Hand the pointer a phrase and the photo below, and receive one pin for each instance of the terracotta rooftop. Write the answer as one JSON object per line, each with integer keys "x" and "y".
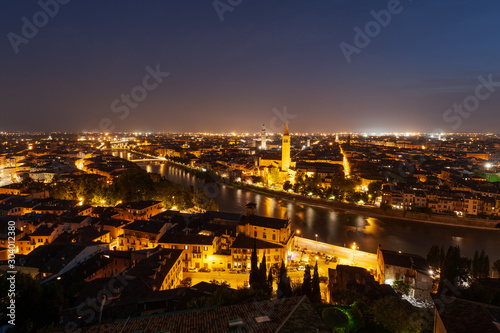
{"x": 461, "y": 316}
{"x": 293, "y": 314}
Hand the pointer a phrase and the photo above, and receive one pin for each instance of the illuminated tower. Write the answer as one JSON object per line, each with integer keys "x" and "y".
{"x": 285, "y": 150}
{"x": 263, "y": 138}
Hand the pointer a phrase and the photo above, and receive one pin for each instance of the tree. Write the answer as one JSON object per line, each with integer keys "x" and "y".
{"x": 374, "y": 189}
{"x": 442, "y": 256}
{"x": 270, "y": 280}
{"x": 284, "y": 288}
{"x": 475, "y": 265}
{"x": 263, "y": 270}
{"x": 315, "y": 289}
{"x": 212, "y": 206}
{"x": 38, "y": 306}
{"x": 401, "y": 287}
{"x": 254, "y": 273}
{"x": 396, "y": 315}
{"x": 483, "y": 265}
{"x": 496, "y": 266}
{"x": 287, "y": 186}
{"x": 306, "y": 284}
{"x": 263, "y": 276}
{"x": 454, "y": 268}
{"x": 433, "y": 257}
{"x": 345, "y": 297}
{"x": 335, "y": 319}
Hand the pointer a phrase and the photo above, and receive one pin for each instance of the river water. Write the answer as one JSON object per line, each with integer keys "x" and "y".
{"x": 337, "y": 227}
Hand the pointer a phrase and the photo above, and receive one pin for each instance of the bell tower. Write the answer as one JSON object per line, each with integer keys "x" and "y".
{"x": 263, "y": 138}
{"x": 285, "y": 150}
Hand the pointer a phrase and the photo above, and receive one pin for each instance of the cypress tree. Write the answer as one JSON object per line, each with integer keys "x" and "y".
{"x": 483, "y": 265}
{"x": 451, "y": 267}
{"x": 433, "y": 258}
{"x": 283, "y": 282}
{"x": 475, "y": 265}
{"x": 486, "y": 266}
{"x": 254, "y": 273}
{"x": 270, "y": 280}
{"x": 480, "y": 266}
{"x": 263, "y": 270}
{"x": 442, "y": 257}
{"x": 306, "y": 284}
{"x": 315, "y": 290}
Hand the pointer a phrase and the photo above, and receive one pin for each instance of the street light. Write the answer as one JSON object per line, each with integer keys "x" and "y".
{"x": 354, "y": 247}
{"x": 316, "y": 237}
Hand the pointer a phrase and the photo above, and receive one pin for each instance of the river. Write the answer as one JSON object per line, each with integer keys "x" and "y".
{"x": 337, "y": 227}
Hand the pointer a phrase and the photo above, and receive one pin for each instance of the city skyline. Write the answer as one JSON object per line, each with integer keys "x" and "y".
{"x": 200, "y": 68}
{"x": 254, "y": 166}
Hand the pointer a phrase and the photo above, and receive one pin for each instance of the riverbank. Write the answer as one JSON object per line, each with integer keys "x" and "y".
{"x": 445, "y": 220}
{"x": 377, "y": 212}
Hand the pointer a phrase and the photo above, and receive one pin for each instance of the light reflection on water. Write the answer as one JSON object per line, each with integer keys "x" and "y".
{"x": 337, "y": 227}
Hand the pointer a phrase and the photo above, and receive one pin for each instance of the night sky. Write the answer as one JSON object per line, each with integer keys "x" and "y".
{"x": 229, "y": 75}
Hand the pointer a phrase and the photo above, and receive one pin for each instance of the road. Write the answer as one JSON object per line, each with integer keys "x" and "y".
{"x": 347, "y": 256}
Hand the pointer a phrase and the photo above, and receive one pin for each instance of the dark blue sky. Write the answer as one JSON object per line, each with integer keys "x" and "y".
{"x": 228, "y": 75}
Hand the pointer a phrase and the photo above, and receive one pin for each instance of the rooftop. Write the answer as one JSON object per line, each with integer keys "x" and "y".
{"x": 245, "y": 242}
{"x": 294, "y": 314}
{"x": 461, "y": 316}
{"x": 407, "y": 260}
{"x": 186, "y": 239}
{"x": 263, "y": 221}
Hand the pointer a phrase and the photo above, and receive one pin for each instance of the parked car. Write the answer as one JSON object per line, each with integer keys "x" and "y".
{"x": 335, "y": 259}
{"x": 232, "y": 271}
{"x": 186, "y": 282}
{"x": 301, "y": 268}
{"x": 192, "y": 269}
{"x": 204, "y": 270}
{"x": 292, "y": 269}
{"x": 245, "y": 272}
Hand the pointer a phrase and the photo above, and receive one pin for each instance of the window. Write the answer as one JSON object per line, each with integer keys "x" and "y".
{"x": 205, "y": 248}
{"x": 255, "y": 233}
{"x": 186, "y": 247}
{"x": 264, "y": 235}
{"x": 274, "y": 236}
